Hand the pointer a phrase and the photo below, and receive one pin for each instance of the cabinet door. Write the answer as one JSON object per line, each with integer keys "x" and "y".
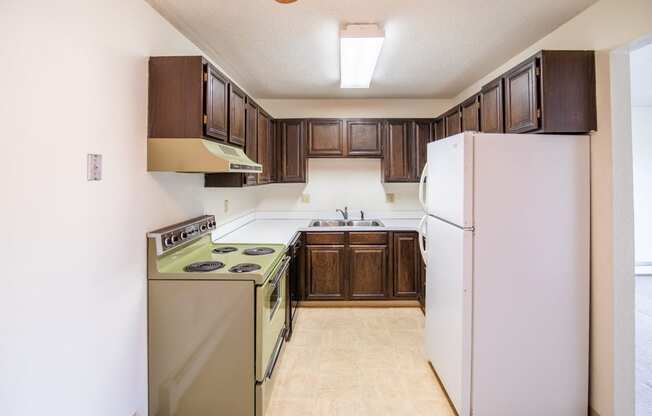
{"x": 406, "y": 265}
{"x": 264, "y": 143}
{"x": 367, "y": 272}
{"x": 453, "y": 122}
{"x": 438, "y": 129}
{"x": 237, "y": 116}
{"x": 522, "y": 98}
{"x": 217, "y": 104}
{"x": 471, "y": 114}
{"x": 325, "y": 272}
{"x": 492, "y": 107}
{"x": 364, "y": 138}
{"x": 292, "y": 166}
{"x": 325, "y": 138}
{"x": 398, "y": 158}
{"x": 251, "y": 140}
{"x": 422, "y": 136}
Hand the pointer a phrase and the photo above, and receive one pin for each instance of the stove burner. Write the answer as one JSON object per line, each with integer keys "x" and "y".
{"x": 258, "y": 251}
{"x": 203, "y": 266}
{"x": 244, "y": 268}
{"x": 224, "y": 250}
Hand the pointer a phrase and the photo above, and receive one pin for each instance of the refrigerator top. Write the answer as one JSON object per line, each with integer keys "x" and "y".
{"x": 450, "y": 180}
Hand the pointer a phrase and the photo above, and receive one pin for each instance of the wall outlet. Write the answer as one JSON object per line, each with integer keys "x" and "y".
{"x": 305, "y": 198}
{"x": 389, "y": 197}
{"x": 94, "y": 167}
{"x": 226, "y": 205}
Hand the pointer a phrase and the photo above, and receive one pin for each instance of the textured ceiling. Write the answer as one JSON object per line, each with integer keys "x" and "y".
{"x": 433, "y": 48}
{"x": 641, "y": 64}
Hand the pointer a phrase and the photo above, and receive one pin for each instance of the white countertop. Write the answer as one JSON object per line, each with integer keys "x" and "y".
{"x": 281, "y": 231}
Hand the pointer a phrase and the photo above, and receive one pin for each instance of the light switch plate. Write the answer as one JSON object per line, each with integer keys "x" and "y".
{"x": 94, "y": 167}
{"x": 389, "y": 198}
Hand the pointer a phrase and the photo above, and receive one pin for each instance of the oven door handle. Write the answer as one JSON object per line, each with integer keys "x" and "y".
{"x": 277, "y": 352}
{"x": 282, "y": 270}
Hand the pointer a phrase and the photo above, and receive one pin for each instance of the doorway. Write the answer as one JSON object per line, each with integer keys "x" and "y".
{"x": 641, "y": 113}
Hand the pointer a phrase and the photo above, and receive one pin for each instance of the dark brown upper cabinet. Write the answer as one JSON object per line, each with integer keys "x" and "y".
{"x": 422, "y": 136}
{"x": 491, "y": 102}
{"x": 291, "y": 154}
{"x": 237, "y": 116}
{"x": 398, "y": 163}
{"x": 471, "y": 114}
{"x": 438, "y": 129}
{"x": 522, "y": 111}
{"x": 232, "y": 179}
{"x": 364, "y": 138}
{"x": 453, "y": 121}
{"x": 217, "y": 104}
{"x": 266, "y": 147}
{"x": 552, "y": 92}
{"x": 325, "y": 138}
{"x": 251, "y": 139}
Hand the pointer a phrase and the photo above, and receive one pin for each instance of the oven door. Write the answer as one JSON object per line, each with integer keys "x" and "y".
{"x": 270, "y": 319}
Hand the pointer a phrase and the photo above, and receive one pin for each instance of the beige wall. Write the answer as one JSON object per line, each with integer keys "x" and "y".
{"x": 606, "y": 25}
{"x": 73, "y": 81}
{"x": 299, "y": 108}
{"x": 336, "y": 183}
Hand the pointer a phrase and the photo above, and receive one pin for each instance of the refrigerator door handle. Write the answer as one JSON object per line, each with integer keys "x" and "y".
{"x": 422, "y": 236}
{"x": 422, "y": 185}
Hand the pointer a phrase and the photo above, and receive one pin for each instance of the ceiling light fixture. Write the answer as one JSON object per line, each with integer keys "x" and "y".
{"x": 285, "y": 1}
{"x": 360, "y": 46}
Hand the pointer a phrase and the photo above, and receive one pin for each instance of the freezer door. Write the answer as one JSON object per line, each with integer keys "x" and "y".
{"x": 448, "y": 309}
{"x": 450, "y": 179}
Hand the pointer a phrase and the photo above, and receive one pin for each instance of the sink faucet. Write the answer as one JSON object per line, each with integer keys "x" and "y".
{"x": 344, "y": 213}
{"x": 361, "y": 214}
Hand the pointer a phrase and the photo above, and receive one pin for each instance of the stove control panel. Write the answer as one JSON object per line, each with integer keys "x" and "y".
{"x": 174, "y": 236}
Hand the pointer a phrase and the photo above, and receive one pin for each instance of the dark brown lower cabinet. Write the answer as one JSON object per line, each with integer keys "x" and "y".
{"x": 406, "y": 265}
{"x": 325, "y": 272}
{"x": 362, "y": 266}
{"x": 367, "y": 272}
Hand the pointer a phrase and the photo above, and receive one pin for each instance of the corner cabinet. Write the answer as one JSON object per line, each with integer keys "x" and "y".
{"x": 291, "y": 157}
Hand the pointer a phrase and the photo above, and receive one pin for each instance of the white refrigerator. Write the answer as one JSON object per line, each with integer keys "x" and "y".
{"x": 507, "y": 246}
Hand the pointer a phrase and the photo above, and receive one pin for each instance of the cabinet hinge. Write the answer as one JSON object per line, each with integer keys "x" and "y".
{"x": 205, "y": 119}
{"x": 538, "y": 113}
{"x": 537, "y": 71}
{"x": 205, "y": 76}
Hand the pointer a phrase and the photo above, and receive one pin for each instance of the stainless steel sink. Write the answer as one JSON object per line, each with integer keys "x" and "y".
{"x": 346, "y": 223}
{"x": 364, "y": 223}
{"x": 328, "y": 223}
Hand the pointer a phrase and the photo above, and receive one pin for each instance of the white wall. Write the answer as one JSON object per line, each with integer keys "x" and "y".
{"x": 73, "y": 80}
{"x": 336, "y": 183}
{"x": 605, "y": 26}
{"x": 642, "y": 151}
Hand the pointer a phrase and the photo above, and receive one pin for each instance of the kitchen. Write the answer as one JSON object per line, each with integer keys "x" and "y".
{"x": 89, "y": 65}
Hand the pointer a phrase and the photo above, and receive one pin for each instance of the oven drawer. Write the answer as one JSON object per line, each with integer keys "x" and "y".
{"x": 270, "y": 316}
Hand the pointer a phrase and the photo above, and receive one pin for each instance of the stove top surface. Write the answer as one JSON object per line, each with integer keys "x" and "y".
{"x": 206, "y": 260}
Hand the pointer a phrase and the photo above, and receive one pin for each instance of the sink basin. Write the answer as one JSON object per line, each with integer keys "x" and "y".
{"x": 346, "y": 223}
{"x": 327, "y": 223}
{"x": 364, "y": 223}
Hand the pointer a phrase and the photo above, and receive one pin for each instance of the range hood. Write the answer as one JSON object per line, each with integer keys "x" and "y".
{"x": 197, "y": 155}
